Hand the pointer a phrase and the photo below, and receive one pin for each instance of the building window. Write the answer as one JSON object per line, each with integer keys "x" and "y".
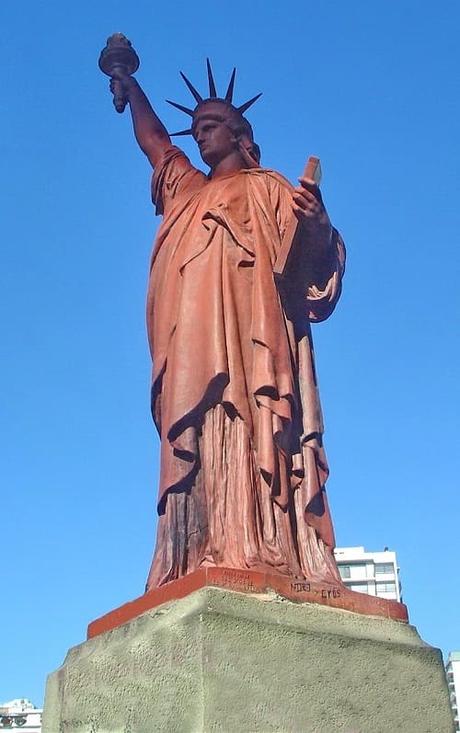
{"x": 385, "y": 587}
{"x": 384, "y": 567}
{"x": 359, "y": 587}
{"x": 344, "y": 571}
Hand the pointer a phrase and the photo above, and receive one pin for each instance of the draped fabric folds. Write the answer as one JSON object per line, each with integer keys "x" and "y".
{"x": 234, "y": 392}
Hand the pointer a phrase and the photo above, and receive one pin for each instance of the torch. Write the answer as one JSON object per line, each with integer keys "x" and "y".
{"x": 118, "y": 56}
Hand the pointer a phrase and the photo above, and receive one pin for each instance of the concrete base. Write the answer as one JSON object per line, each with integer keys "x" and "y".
{"x": 219, "y": 660}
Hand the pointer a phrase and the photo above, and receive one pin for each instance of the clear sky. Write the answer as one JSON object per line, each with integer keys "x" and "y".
{"x": 370, "y": 87}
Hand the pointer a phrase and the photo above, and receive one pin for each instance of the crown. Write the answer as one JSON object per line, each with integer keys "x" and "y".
{"x": 228, "y": 99}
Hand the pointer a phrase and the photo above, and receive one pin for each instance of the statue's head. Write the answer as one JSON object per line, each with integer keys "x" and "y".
{"x": 219, "y": 127}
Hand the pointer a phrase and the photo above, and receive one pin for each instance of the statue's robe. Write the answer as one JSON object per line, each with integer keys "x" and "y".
{"x": 234, "y": 391}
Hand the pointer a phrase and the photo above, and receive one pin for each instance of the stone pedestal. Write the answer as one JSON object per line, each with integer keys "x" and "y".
{"x": 219, "y": 660}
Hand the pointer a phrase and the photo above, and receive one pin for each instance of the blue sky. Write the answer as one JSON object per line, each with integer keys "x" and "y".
{"x": 373, "y": 89}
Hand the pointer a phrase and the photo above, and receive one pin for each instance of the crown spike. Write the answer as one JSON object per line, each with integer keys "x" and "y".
{"x": 181, "y": 107}
{"x": 248, "y": 104}
{"x": 231, "y": 84}
{"x": 212, "y": 86}
{"x": 197, "y": 95}
{"x": 181, "y": 132}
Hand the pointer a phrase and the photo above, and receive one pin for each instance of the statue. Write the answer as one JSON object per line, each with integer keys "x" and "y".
{"x": 234, "y": 392}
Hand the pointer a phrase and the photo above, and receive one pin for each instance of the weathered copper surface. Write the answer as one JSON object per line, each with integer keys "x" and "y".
{"x": 234, "y": 389}
{"x": 250, "y": 581}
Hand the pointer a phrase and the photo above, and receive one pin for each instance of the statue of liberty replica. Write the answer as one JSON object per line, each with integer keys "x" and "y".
{"x": 234, "y": 391}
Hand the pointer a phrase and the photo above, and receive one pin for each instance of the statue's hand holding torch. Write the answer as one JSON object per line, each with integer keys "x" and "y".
{"x": 119, "y": 60}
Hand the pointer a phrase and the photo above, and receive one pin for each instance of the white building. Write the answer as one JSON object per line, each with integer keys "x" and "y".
{"x": 453, "y": 681}
{"x": 20, "y": 713}
{"x": 374, "y": 573}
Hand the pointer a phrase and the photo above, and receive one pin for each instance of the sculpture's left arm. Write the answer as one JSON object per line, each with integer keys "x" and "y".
{"x": 323, "y": 251}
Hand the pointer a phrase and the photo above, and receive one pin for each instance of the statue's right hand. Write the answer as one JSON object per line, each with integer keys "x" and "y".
{"x": 120, "y": 83}
{"x": 116, "y": 87}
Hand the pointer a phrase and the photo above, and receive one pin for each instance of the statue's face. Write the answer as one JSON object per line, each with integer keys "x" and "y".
{"x": 215, "y": 139}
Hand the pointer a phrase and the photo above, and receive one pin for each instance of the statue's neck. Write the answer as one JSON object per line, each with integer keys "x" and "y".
{"x": 231, "y": 164}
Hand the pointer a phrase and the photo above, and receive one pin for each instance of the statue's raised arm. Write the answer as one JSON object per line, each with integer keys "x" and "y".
{"x": 119, "y": 60}
{"x": 149, "y": 130}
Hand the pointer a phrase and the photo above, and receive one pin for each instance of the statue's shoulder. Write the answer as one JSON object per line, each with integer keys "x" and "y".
{"x": 271, "y": 176}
